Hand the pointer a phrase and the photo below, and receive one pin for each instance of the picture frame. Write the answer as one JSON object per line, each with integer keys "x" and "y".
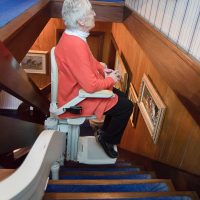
{"x": 35, "y": 62}
{"x": 152, "y": 107}
{"x": 132, "y": 95}
{"x": 122, "y": 85}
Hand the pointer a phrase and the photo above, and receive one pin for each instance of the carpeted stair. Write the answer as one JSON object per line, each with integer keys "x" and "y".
{"x": 119, "y": 181}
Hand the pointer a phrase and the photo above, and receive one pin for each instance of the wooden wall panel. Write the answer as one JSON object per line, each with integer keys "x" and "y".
{"x": 179, "y": 71}
{"x": 191, "y": 147}
{"x": 47, "y": 38}
{"x": 105, "y": 11}
{"x": 180, "y": 134}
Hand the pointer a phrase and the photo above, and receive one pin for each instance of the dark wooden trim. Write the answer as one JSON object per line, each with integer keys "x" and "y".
{"x": 20, "y": 34}
{"x": 17, "y": 134}
{"x": 105, "y": 11}
{"x": 180, "y": 72}
{"x": 100, "y": 35}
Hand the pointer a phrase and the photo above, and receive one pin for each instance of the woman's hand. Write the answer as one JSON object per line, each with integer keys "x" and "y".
{"x": 104, "y": 65}
{"x": 115, "y": 75}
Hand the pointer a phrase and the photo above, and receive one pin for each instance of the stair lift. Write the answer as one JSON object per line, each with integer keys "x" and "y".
{"x": 79, "y": 149}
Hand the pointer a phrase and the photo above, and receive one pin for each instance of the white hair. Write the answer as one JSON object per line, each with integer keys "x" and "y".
{"x": 74, "y": 10}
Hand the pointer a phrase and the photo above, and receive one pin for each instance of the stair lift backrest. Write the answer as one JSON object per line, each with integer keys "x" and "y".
{"x": 54, "y": 78}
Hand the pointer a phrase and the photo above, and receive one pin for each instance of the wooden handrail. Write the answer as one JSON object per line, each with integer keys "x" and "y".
{"x": 34, "y": 171}
{"x": 17, "y": 134}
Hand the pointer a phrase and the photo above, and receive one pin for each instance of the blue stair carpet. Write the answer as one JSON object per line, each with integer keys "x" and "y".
{"x": 93, "y": 177}
{"x": 141, "y": 187}
{"x": 128, "y": 169}
{"x": 10, "y": 9}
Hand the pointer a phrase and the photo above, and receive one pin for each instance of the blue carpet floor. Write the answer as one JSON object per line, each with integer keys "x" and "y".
{"x": 10, "y": 9}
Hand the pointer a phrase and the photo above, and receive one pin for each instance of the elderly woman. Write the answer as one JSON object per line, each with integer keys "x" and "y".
{"x": 78, "y": 69}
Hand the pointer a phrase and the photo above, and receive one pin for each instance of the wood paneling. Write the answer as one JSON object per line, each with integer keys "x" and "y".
{"x": 180, "y": 135}
{"x": 48, "y": 38}
{"x": 180, "y": 72}
{"x": 105, "y": 11}
{"x": 95, "y": 42}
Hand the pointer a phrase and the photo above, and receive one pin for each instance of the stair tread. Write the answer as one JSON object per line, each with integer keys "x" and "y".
{"x": 63, "y": 169}
{"x": 80, "y": 165}
{"x": 107, "y": 182}
{"x": 108, "y": 175}
{"x": 118, "y": 195}
{"x": 113, "y": 182}
{"x": 94, "y": 173}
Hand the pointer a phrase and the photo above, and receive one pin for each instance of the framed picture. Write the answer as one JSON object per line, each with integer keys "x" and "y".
{"x": 119, "y": 65}
{"x": 133, "y": 97}
{"x": 152, "y": 107}
{"x": 35, "y": 62}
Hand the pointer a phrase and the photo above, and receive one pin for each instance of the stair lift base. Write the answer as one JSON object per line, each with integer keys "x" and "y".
{"x": 80, "y": 149}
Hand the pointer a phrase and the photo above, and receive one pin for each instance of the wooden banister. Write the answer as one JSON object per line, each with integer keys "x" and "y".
{"x": 14, "y": 80}
{"x": 17, "y": 134}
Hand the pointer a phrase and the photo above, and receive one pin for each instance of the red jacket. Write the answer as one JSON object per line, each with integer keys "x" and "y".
{"x": 78, "y": 69}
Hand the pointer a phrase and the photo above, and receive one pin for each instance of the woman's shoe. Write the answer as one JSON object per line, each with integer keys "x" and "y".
{"x": 108, "y": 148}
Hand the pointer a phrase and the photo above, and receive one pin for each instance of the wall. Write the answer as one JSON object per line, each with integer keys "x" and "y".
{"x": 178, "y": 20}
{"x": 179, "y": 141}
{"x": 47, "y": 38}
{"x": 180, "y": 136}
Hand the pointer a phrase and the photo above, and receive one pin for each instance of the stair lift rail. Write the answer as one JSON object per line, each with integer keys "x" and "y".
{"x": 30, "y": 179}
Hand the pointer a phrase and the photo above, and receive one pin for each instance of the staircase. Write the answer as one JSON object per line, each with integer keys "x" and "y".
{"x": 122, "y": 180}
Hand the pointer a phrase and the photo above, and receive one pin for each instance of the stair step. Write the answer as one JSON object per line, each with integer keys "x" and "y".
{"x": 109, "y": 175}
{"x": 4, "y": 173}
{"x": 65, "y": 169}
{"x": 81, "y": 165}
{"x": 144, "y": 185}
{"x": 125, "y": 195}
{"x": 105, "y": 173}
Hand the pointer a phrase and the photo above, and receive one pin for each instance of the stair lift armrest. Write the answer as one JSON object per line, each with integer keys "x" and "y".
{"x": 98, "y": 94}
{"x": 82, "y": 96}
{"x": 58, "y": 111}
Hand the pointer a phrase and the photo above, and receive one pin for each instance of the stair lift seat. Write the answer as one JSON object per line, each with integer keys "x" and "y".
{"x": 81, "y": 149}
